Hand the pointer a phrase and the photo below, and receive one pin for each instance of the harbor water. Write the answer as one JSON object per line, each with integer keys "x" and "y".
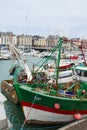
{"x": 14, "y": 112}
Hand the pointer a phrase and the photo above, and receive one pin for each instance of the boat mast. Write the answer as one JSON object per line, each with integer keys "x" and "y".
{"x": 83, "y": 53}
{"x": 58, "y": 59}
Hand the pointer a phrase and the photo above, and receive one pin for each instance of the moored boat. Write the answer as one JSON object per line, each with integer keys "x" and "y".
{"x": 46, "y": 102}
{"x": 8, "y": 90}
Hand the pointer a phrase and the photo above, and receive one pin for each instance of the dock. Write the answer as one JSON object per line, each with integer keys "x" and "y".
{"x": 9, "y": 126}
{"x": 4, "y": 122}
{"x": 77, "y": 125}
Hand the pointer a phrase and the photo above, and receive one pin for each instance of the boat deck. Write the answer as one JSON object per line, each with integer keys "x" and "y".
{"x": 77, "y": 125}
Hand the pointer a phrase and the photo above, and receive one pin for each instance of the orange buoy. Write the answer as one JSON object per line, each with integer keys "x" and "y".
{"x": 83, "y": 91}
{"x": 57, "y": 105}
{"x": 55, "y": 86}
{"x": 77, "y": 116}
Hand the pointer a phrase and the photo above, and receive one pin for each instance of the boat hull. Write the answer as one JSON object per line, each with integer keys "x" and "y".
{"x": 8, "y": 90}
{"x": 41, "y": 107}
{"x": 37, "y": 116}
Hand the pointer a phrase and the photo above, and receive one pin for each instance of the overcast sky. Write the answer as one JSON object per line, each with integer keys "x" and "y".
{"x": 44, "y": 17}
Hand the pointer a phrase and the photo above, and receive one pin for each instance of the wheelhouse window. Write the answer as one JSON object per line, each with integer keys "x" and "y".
{"x": 85, "y": 73}
{"x": 82, "y": 73}
{"x": 79, "y": 72}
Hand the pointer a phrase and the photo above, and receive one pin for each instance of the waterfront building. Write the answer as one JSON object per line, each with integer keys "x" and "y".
{"x": 14, "y": 39}
{"x": 39, "y": 41}
{"x": 8, "y": 38}
{"x": 52, "y": 40}
{"x": 24, "y": 40}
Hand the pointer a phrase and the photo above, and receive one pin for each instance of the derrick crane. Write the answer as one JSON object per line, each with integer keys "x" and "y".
{"x": 16, "y": 55}
{"x": 83, "y": 46}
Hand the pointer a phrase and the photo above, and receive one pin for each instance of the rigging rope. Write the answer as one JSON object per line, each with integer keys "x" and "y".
{"x": 28, "y": 113}
{"x": 83, "y": 55}
{"x": 46, "y": 60}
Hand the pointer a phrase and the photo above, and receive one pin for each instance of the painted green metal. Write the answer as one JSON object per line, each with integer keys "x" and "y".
{"x": 58, "y": 59}
{"x": 27, "y": 93}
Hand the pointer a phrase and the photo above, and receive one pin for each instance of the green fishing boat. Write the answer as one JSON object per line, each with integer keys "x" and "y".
{"x": 46, "y": 102}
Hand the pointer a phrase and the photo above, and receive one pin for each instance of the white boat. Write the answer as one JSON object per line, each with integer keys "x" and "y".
{"x": 80, "y": 73}
{"x": 65, "y": 76}
{"x": 47, "y": 103}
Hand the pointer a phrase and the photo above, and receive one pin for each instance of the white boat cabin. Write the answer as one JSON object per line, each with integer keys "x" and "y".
{"x": 80, "y": 73}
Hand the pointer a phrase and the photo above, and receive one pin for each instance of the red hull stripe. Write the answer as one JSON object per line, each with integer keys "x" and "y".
{"x": 53, "y": 110}
{"x": 65, "y": 66}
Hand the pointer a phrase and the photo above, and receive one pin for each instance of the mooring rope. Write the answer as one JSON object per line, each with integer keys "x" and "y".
{"x": 28, "y": 113}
